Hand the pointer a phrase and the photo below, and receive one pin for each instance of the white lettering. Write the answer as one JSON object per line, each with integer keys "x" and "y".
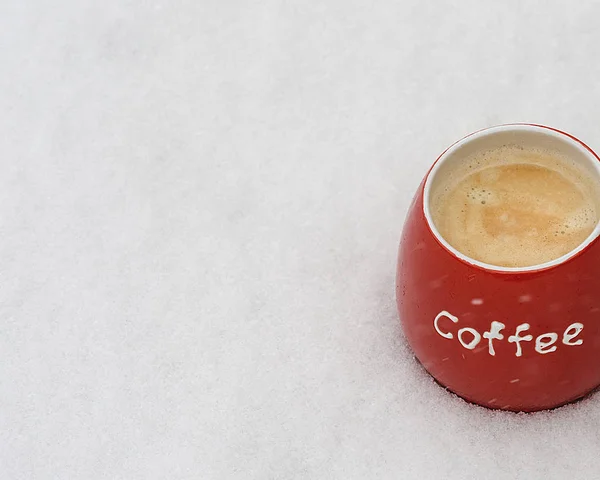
{"x": 494, "y": 333}
{"x": 473, "y": 343}
{"x": 444, "y": 313}
{"x": 541, "y": 344}
{"x": 516, "y": 338}
{"x": 567, "y": 337}
{"x": 544, "y": 342}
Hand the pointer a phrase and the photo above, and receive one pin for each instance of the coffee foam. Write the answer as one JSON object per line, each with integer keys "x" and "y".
{"x": 515, "y": 207}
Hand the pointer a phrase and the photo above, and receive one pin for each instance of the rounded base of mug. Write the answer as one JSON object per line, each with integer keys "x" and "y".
{"x": 577, "y": 399}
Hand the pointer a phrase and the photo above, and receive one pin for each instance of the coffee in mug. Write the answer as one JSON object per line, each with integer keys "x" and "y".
{"x": 515, "y": 206}
{"x": 497, "y": 282}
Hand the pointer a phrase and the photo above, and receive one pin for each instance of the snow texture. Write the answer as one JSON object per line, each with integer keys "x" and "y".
{"x": 200, "y": 207}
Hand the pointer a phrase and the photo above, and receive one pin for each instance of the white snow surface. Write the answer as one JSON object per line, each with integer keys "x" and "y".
{"x": 200, "y": 209}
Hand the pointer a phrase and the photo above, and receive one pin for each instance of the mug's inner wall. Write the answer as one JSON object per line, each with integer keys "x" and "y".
{"x": 529, "y": 137}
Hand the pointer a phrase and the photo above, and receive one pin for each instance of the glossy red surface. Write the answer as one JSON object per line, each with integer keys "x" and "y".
{"x": 431, "y": 280}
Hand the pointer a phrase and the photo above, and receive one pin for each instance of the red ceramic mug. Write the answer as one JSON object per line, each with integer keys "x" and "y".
{"x": 520, "y": 339}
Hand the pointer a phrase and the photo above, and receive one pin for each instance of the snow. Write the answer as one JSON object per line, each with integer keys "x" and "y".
{"x": 200, "y": 207}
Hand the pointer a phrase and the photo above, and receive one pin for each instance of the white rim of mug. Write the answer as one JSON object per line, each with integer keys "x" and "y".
{"x": 563, "y": 136}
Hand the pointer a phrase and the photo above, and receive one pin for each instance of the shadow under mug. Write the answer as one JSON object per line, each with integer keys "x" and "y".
{"x": 520, "y": 339}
